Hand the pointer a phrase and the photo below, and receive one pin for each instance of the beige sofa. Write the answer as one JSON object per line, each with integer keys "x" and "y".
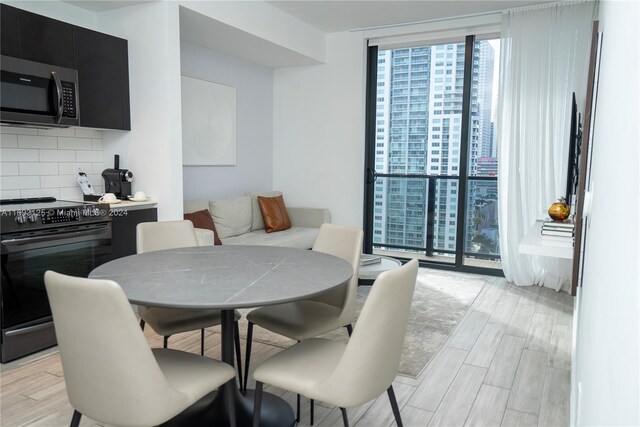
{"x": 239, "y": 222}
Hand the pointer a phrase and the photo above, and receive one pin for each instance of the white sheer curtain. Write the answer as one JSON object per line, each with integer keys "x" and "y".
{"x": 544, "y": 58}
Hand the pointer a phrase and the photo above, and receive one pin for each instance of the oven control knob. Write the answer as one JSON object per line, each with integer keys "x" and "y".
{"x": 33, "y": 217}
{"x": 20, "y": 219}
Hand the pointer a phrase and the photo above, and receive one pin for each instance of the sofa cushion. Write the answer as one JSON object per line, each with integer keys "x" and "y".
{"x": 195, "y": 205}
{"x": 274, "y": 214}
{"x": 257, "y": 222}
{"x": 202, "y": 219}
{"x": 295, "y": 237}
{"x": 232, "y": 217}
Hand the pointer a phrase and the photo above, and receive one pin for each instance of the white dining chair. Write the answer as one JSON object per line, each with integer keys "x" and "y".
{"x": 331, "y": 310}
{"x": 347, "y": 375}
{"x": 155, "y": 236}
{"x": 111, "y": 374}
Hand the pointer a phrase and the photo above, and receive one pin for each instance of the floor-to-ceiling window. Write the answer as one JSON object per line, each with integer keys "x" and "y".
{"x": 431, "y": 186}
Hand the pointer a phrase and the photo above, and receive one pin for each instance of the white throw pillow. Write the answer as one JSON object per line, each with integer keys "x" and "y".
{"x": 232, "y": 217}
{"x": 257, "y": 222}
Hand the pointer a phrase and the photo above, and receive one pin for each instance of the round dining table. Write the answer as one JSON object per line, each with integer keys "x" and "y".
{"x": 226, "y": 278}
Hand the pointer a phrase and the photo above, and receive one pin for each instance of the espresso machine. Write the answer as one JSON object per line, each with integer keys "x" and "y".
{"x": 117, "y": 181}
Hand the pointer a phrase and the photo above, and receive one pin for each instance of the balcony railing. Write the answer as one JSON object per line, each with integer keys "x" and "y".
{"x": 481, "y": 239}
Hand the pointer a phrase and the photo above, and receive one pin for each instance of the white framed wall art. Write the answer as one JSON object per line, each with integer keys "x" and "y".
{"x": 208, "y": 123}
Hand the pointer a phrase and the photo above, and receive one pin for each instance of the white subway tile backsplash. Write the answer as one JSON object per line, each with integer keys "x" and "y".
{"x": 98, "y": 168}
{"x": 57, "y": 156}
{"x": 45, "y": 162}
{"x": 8, "y": 141}
{"x": 18, "y": 155}
{"x": 18, "y": 131}
{"x": 74, "y": 143}
{"x": 28, "y": 168}
{"x": 57, "y": 132}
{"x": 20, "y": 182}
{"x": 57, "y": 181}
{"x": 71, "y": 193}
{"x": 36, "y": 141}
{"x": 88, "y": 133}
{"x": 89, "y": 156}
{"x": 72, "y": 168}
{"x": 41, "y": 192}
{"x": 10, "y": 194}
{"x": 9, "y": 169}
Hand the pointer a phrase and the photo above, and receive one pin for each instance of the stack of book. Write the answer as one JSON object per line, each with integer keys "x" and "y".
{"x": 366, "y": 259}
{"x": 559, "y": 231}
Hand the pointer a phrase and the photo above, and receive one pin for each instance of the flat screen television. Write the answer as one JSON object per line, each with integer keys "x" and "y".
{"x": 575, "y": 145}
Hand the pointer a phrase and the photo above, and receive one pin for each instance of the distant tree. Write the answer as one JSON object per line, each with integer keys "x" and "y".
{"x": 485, "y": 243}
{"x": 478, "y": 217}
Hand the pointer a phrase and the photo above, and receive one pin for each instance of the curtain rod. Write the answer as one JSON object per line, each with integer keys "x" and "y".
{"x": 473, "y": 15}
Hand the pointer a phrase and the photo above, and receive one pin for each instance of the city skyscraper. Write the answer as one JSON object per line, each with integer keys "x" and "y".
{"x": 418, "y": 131}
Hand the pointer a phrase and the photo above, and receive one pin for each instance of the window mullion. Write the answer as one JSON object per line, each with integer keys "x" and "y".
{"x": 464, "y": 148}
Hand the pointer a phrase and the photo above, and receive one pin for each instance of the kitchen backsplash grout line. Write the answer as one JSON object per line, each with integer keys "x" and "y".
{"x": 45, "y": 162}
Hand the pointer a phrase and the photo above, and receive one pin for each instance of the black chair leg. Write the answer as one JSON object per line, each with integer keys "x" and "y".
{"x": 75, "y": 420}
{"x": 256, "y": 404}
{"x": 311, "y": 414}
{"x": 202, "y": 342}
{"x": 166, "y": 341}
{"x": 298, "y": 409}
{"x": 394, "y": 406}
{"x": 236, "y": 333}
{"x": 231, "y": 409}
{"x": 247, "y": 355}
{"x": 349, "y": 329}
{"x": 345, "y": 419}
{"x": 142, "y": 324}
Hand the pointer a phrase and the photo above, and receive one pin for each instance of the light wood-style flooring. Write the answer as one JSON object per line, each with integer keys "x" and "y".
{"x": 507, "y": 363}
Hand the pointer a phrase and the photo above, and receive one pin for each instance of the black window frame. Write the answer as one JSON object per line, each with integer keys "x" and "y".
{"x": 463, "y": 176}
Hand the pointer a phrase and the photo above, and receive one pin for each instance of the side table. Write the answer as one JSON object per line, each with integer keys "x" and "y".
{"x": 368, "y": 273}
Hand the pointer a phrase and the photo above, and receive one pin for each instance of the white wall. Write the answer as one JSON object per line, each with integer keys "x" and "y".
{"x": 608, "y": 330}
{"x": 152, "y": 150}
{"x": 266, "y": 22}
{"x": 254, "y": 130}
{"x": 318, "y": 143}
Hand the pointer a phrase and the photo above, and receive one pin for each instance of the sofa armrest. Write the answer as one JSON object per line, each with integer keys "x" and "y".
{"x": 308, "y": 217}
{"x": 205, "y": 237}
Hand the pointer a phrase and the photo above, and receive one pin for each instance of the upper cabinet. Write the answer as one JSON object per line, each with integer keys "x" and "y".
{"x": 9, "y": 38}
{"x": 103, "y": 73}
{"x": 101, "y": 60}
{"x": 45, "y": 40}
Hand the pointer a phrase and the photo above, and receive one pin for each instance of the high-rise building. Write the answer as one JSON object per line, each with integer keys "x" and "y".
{"x": 418, "y": 131}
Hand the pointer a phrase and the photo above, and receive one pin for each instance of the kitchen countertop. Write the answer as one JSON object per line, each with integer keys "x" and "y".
{"x": 129, "y": 205}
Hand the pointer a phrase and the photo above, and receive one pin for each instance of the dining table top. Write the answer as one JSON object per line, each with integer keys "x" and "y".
{"x": 225, "y": 276}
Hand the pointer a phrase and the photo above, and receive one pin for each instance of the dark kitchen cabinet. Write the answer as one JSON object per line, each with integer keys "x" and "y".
{"x": 103, "y": 72}
{"x": 45, "y": 40}
{"x": 102, "y": 62}
{"x": 123, "y": 229}
{"x": 9, "y": 38}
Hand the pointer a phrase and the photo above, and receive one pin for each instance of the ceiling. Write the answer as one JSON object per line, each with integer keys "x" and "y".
{"x": 341, "y": 15}
{"x": 332, "y": 16}
{"x": 104, "y": 5}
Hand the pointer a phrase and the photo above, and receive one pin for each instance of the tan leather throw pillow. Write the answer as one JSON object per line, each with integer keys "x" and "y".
{"x": 202, "y": 219}
{"x": 274, "y": 214}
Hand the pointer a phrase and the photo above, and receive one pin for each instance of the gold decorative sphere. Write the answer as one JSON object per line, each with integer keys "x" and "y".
{"x": 559, "y": 211}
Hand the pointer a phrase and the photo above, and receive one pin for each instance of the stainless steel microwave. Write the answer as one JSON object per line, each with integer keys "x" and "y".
{"x": 38, "y": 95}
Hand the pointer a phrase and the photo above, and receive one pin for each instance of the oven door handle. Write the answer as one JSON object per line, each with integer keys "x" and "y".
{"x": 39, "y": 242}
{"x": 28, "y": 329}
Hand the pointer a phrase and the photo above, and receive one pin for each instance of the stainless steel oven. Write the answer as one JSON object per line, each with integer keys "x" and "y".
{"x": 70, "y": 240}
{"x": 38, "y": 95}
